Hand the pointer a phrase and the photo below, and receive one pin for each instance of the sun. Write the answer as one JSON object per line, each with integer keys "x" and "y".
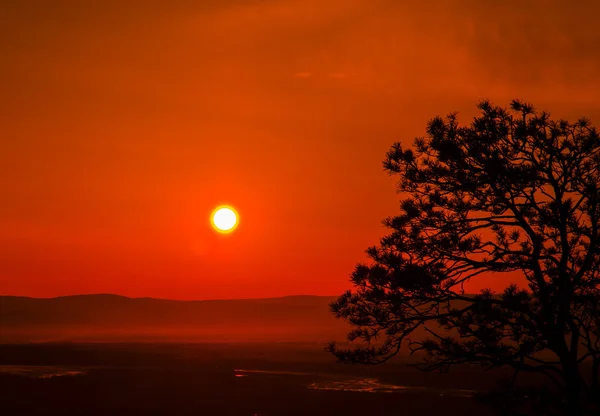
{"x": 224, "y": 219}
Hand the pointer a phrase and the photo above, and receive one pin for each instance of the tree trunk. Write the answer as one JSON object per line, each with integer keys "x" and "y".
{"x": 595, "y": 388}
{"x": 595, "y": 368}
{"x": 572, "y": 387}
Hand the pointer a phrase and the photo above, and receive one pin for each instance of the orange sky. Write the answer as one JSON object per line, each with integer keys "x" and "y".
{"x": 123, "y": 124}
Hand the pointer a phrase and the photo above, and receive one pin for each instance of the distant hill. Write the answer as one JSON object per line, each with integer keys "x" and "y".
{"x": 119, "y": 318}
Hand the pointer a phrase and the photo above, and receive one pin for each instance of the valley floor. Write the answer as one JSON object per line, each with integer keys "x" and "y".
{"x": 223, "y": 379}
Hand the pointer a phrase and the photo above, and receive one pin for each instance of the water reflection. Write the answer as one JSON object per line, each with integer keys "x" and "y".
{"x": 334, "y": 382}
{"x": 367, "y": 385}
{"x": 41, "y": 371}
{"x": 372, "y": 385}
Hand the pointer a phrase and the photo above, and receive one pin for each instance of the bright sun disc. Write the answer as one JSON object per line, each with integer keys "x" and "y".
{"x": 224, "y": 219}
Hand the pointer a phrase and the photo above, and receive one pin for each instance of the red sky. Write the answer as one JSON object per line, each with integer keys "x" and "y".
{"x": 123, "y": 124}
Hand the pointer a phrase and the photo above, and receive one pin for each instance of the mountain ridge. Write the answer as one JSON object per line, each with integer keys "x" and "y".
{"x": 115, "y": 317}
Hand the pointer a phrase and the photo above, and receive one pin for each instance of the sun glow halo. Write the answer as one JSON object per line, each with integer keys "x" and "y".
{"x": 224, "y": 219}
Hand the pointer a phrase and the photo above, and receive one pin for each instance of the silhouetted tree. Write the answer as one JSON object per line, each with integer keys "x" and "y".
{"x": 513, "y": 192}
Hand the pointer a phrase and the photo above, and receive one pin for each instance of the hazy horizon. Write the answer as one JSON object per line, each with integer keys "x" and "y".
{"x": 159, "y": 298}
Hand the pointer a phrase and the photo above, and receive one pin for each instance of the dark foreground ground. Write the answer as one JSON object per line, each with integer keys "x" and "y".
{"x": 223, "y": 379}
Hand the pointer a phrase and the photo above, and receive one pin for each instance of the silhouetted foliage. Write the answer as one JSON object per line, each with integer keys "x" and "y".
{"x": 513, "y": 192}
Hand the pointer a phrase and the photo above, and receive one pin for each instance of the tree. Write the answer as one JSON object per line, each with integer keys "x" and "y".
{"x": 513, "y": 192}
